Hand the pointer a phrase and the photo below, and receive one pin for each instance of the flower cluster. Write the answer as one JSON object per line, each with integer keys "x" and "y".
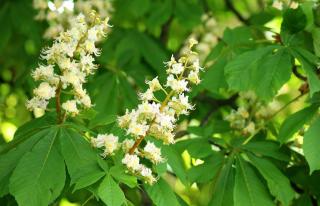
{"x": 207, "y": 35}
{"x": 58, "y": 13}
{"x": 68, "y": 62}
{"x": 251, "y": 114}
{"x": 157, "y": 118}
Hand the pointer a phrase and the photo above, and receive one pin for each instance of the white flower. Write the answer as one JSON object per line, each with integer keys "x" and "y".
{"x": 45, "y": 91}
{"x": 243, "y": 112}
{"x": 154, "y": 84}
{"x": 153, "y": 153}
{"x": 165, "y": 120}
{"x": 86, "y": 101}
{"x": 181, "y": 104}
{"x": 93, "y": 34}
{"x": 36, "y": 103}
{"x": 74, "y": 77}
{"x": 171, "y": 62}
{"x": 91, "y": 48}
{"x": 127, "y": 144}
{"x": 196, "y": 65}
{"x": 124, "y": 120}
{"x": 98, "y": 142}
{"x": 148, "y": 95}
{"x": 146, "y": 173}
{"x": 110, "y": 144}
{"x": 194, "y": 77}
{"x": 249, "y": 129}
{"x": 177, "y": 85}
{"x": 132, "y": 162}
{"x": 137, "y": 129}
{"x": 192, "y": 42}
{"x": 70, "y": 107}
{"x": 43, "y": 72}
{"x": 177, "y": 68}
{"x": 148, "y": 110}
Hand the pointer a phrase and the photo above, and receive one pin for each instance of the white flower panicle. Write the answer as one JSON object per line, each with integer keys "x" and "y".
{"x": 157, "y": 118}
{"x": 247, "y": 118}
{"x": 58, "y": 13}
{"x": 68, "y": 62}
{"x": 207, "y": 34}
{"x": 150, "y": 151}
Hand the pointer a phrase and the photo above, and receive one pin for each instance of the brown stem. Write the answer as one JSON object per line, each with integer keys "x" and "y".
{"x": 136, "y": 144}
{"x": 58, "y": 104}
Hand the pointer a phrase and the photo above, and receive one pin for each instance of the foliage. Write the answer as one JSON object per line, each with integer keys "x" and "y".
{"x": 251, "y": 140}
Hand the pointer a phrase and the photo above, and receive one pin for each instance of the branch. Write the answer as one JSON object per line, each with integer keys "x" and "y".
{"x": 272, "y": 116}
{"x": 232, "y": 8}
{"x": 297, "y": 74}
{"x": 58, "y": 104}
{"x": 165, "y": 31}
{"x": 216, "y": 104}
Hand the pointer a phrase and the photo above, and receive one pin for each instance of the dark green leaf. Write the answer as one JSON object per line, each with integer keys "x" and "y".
{"x": 39, "y": 176}
{"x": 201, "y": 174}
{"x": 279, "y": 185}
{"x": 222, "y": 194}
{"x": 80, "y": 158}
{"x": 294, "y": 20}
{"x": 295, "y": 122}
{"x": 267, "y": 148}
{"x": 120, "y": 174}
{"x": 110, "y": 192}
{"x": 161, "y": 194}
{"x": 311, "y": 143}
{"x": 249, "y": 190}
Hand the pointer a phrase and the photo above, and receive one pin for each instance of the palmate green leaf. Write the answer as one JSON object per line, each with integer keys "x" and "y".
{"x": 294, "y": 20}
{"x": 105, "y": 92}
{"x": 27, "y": 130}
{"x": 295, "y": 122}
{"x": 316, "y": 40}
{"x": 120, "y": 174}
{"x": 274, "y": 71}
{"x": 278, "y": 183}
{"x": 176, "y": 162}
{"x": 311, "y": 144}
{"x": 263, "y": 70}
{"x": 222, "y": 194}
{"x": 308, "y": 62}
{"x": 161, "y": 194}
{"x": 8, "y": 161}
{"x": 40, "y": 174}
{"x": 198, "y": 147}
{"x": 161, "y": 12}
{"x": 267, "y": 148}
{"x": 110, "y": 192}
{"x": 201, "y": 174}
{"x": 188, "y": 13}
{"x": 81, "y": 160}
{"x": 248, "y": 189}
{"x": 214, "y": 78}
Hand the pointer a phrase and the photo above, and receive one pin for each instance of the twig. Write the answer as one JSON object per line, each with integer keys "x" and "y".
{"x": 297, "y": 74}
{"x": 58, "y": 104}
{"x": 165, "y": 31}
{"x": 272, "y": 116}
{"x": 230, "y": 6}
